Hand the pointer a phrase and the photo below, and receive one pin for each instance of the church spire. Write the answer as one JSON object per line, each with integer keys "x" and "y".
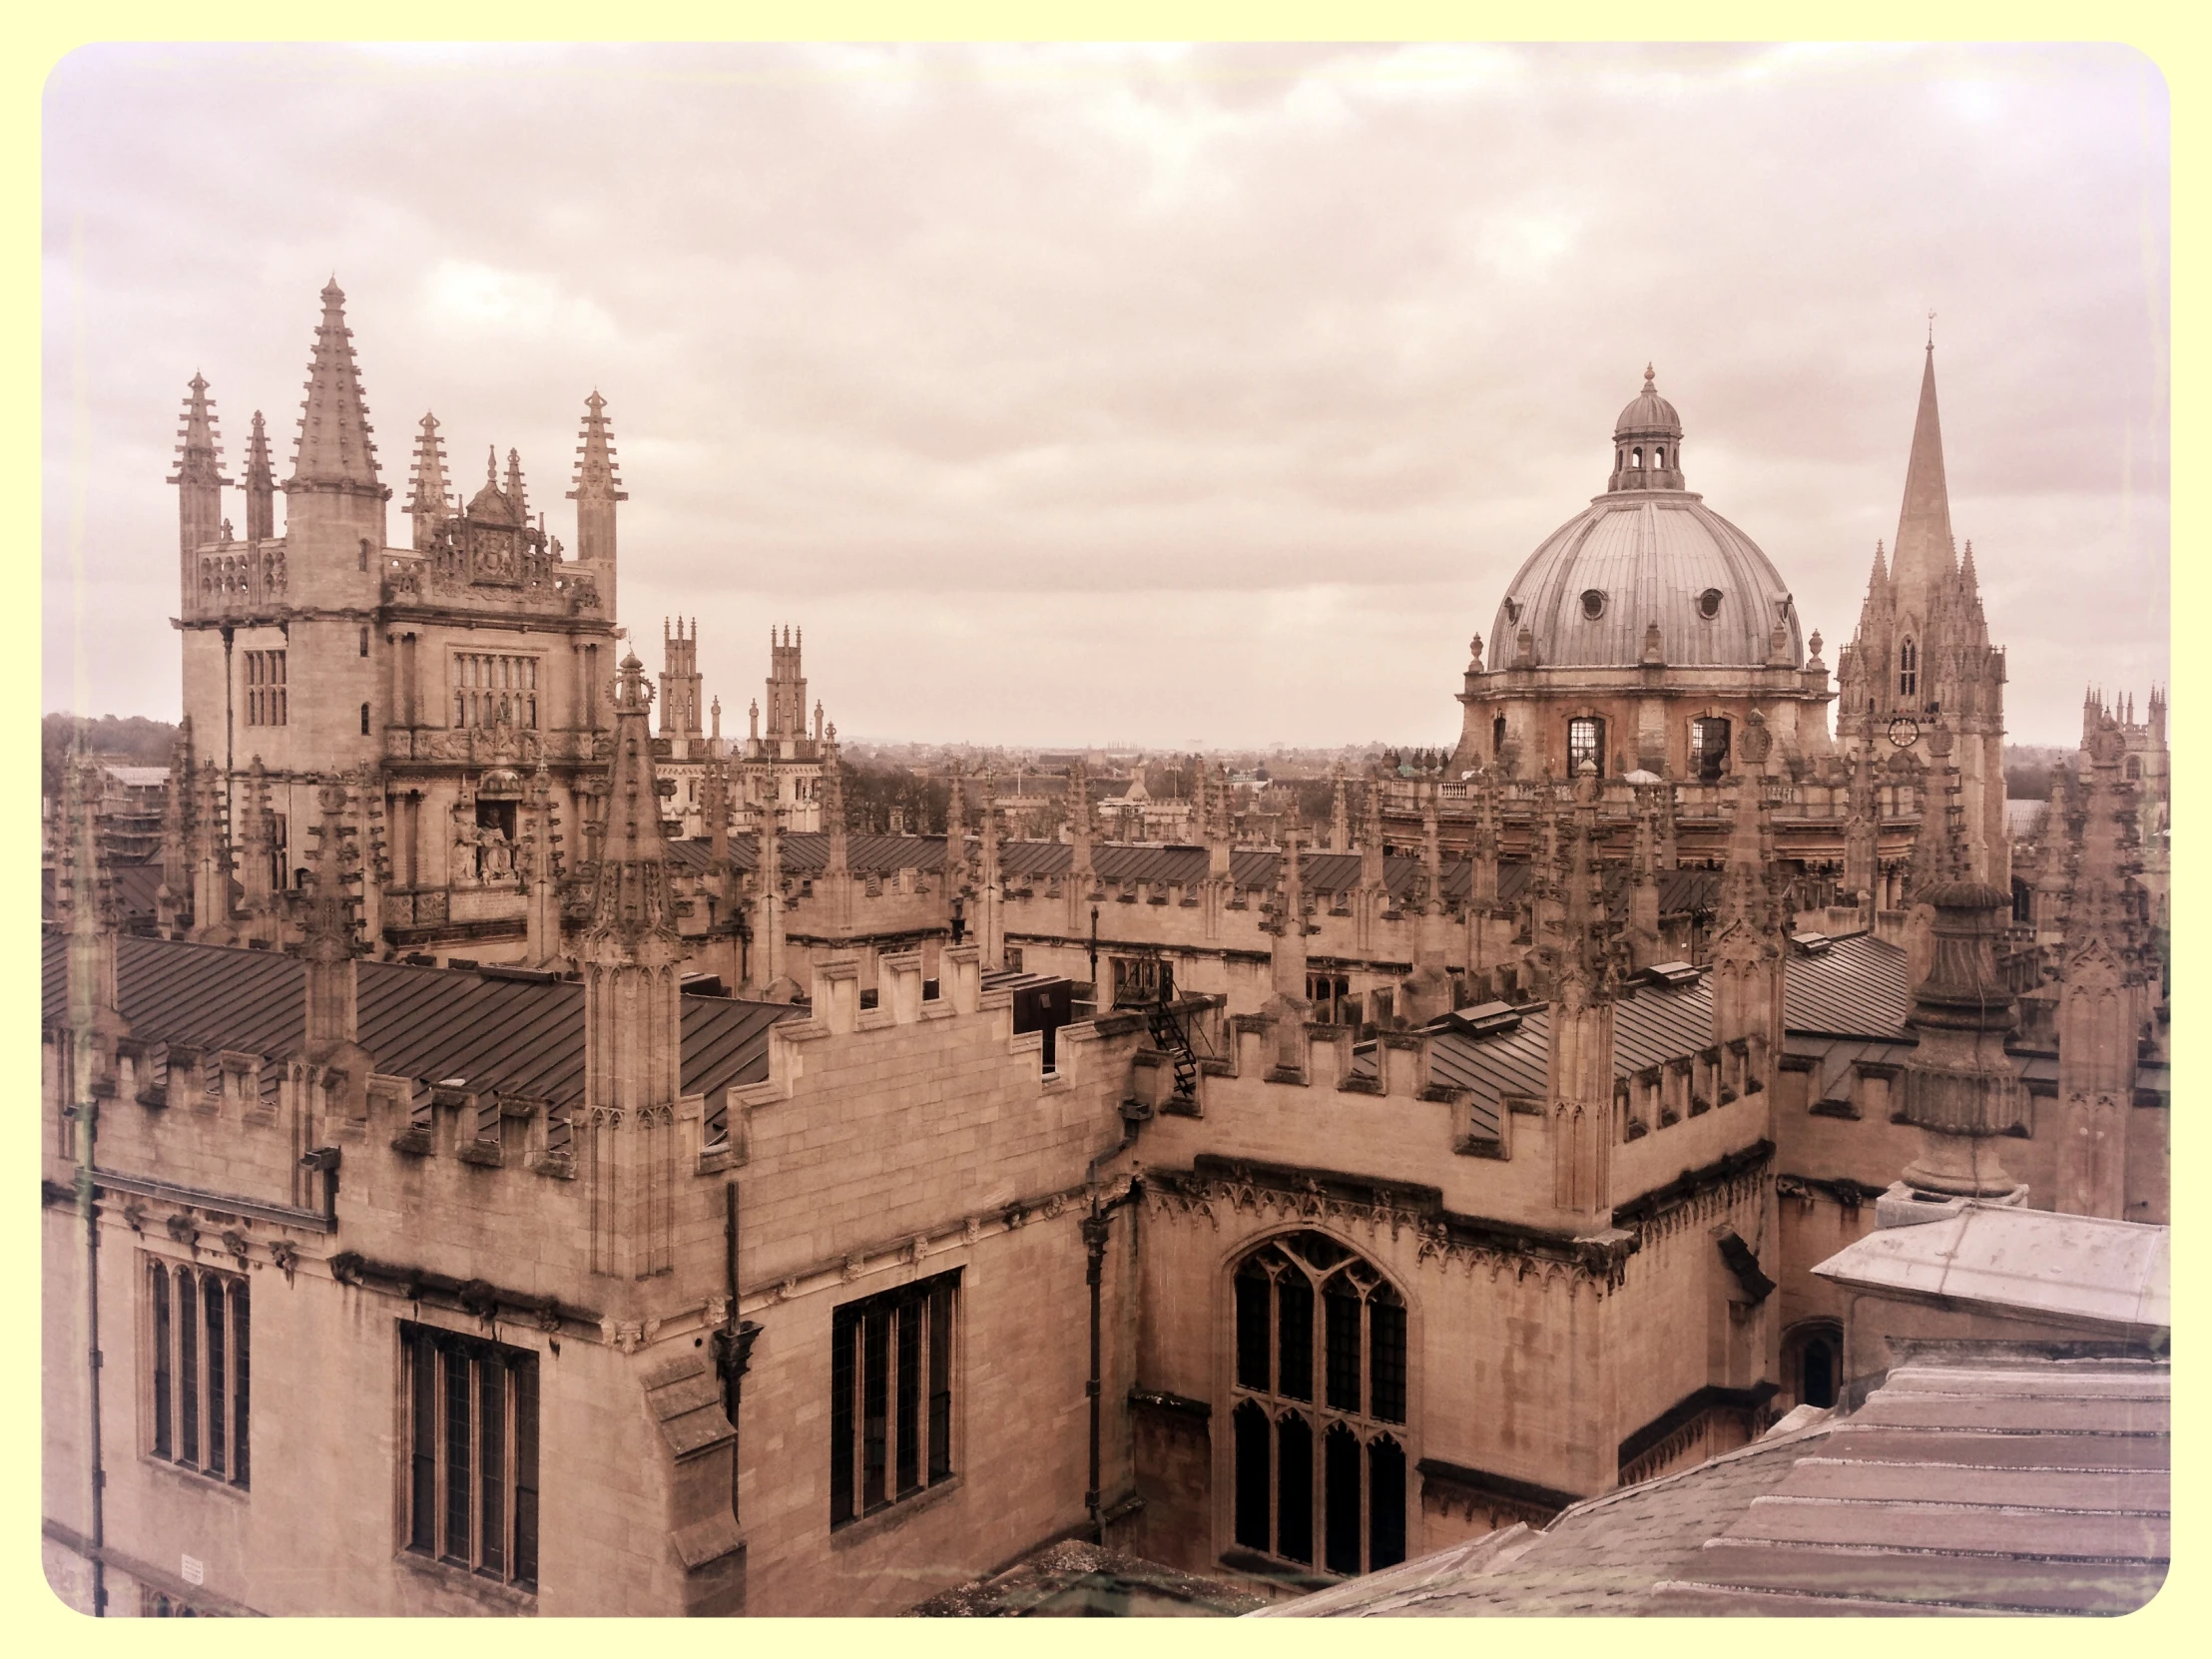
{"x": 1923, "y": 544}
{"x": 336, "y": 452}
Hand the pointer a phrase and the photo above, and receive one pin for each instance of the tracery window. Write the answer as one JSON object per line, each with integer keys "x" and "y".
{"x": 1908, "y": 669}
{"x": 1320, "y": 1390}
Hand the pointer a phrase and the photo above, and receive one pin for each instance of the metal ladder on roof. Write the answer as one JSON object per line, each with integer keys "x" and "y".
{"x": 1172, "y": 1038}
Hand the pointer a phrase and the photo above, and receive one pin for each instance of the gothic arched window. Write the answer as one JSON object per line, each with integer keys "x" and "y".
{"x": 1908, "y": 669}
{"x": 1320, "y": 1390}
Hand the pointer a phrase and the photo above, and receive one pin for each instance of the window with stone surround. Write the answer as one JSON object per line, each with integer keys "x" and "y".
{"x": 490, "y": 689}
{"x": 1585, "y": 741}
{"x": 892, "y": 1372}
{"x": 471, "y": 1488}
{"x": 198, "y": 1342}
{"x": 265, "y": 687}
{"x": 1318, "y": 1407}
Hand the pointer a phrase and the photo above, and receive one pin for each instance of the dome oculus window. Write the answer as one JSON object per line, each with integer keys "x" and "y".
{"x": 1593, "y": 603}
{"x": 1709, "y": 603}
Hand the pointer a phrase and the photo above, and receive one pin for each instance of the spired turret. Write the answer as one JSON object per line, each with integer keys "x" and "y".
{"x": 261, "y": 485}
{"x": 198, "y": 477}
{"x": 335, "y": 503}
{"x": 598, "y": 487}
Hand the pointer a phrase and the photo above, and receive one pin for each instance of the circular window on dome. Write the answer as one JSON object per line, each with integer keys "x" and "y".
{"x": 1709, "y": 603}
{"x": 1593, "y": 603}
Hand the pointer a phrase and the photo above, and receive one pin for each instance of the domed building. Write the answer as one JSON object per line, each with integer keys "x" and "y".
{"x": 1643, "y": 634}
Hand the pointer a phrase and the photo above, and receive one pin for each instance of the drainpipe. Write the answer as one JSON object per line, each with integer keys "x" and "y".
{"x": 87, "y": 1112}
{"x": 1095, "y": 1229}
{"x": 229, "y": 763}
{"x": 734, "y": 1342}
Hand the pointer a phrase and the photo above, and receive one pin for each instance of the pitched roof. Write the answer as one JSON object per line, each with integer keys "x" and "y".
{"x": 521, "y": 1036}
{"x": 1974, "y": 1480}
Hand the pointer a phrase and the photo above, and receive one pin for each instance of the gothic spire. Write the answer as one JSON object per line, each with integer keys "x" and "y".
{"x": 515, "y": 492}
{"x": 336, "y": 452}
{"x": 596, "y": 489}
{"x": 1923, "y": 549}
{"x": 427, "y": 502}
{"x": 199, "y": 474}
{"x": 630, "y": 896}
{"x": 260, "y": 484}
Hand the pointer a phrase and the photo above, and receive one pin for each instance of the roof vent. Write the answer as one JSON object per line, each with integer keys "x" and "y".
{"x": 1487, "y": 1019}
{"x": 528, "y": 977}
{"x": 1812, "y": 944}
{"x": 1671, "y": 973}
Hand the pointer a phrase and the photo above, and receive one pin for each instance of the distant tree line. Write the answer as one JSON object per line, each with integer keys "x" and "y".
{"x": 133, "y": 738}
{"x": 874, "y": 791}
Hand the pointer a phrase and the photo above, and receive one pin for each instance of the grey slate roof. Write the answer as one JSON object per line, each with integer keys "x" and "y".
{"x": 520, "y": 1036}
{"x": 1856, "y": 984}
{"x": 1978, "y": 1480}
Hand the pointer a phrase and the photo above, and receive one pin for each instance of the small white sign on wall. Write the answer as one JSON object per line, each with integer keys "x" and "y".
{"x": 194, "y": 1572}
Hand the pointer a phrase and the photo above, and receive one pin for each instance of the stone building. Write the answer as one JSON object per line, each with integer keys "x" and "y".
{"x": 441, "y": 676}
{"x": 1266, "y": 1213}
{"x": 1641, "y": 635}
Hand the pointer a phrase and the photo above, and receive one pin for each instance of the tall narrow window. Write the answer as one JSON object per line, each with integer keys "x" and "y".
{"x": 472, "y": 1439}
{"x": 1497, "y": 738}
{"x": 1709, "y": 739}
{"x": 1347, "y": 1492}
{"x": 1585, "y": 743}
{"x": 211, "y": 1303}
{"x": 887, "y": 1442}
{"x": 199, "y": 1340}
{"x": 164, "y": 1439}
{"x": 1908, "y": 669}
{"x": 188, "y": 1368}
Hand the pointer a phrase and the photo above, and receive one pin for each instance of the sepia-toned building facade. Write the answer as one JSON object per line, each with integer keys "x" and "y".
{"x": 452, "y": 1240}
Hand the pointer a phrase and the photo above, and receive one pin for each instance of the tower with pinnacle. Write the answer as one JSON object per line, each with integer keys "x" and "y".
{"x": 1922, "y": 651}
{"x": 436, "y": 675}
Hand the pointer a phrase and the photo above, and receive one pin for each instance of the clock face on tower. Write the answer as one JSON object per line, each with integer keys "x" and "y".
{"x": 1904, "y": 729}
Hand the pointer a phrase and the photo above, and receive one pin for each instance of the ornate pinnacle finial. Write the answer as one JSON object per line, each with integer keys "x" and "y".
{"x": 491, "y": 465}
{"x": 1649, "y": 378}
{"x": 335, "y": 448}
{"x": 1931, "y": 330}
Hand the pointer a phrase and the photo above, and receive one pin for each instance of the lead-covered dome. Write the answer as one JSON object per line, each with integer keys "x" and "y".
{"x": 1646, "y": 551}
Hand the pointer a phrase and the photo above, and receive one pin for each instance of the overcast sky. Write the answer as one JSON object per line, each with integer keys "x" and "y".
{"x": 1168, "y": 396}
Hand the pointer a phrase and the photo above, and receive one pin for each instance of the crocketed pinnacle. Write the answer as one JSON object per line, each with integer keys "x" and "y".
{"x": 335, "y": 450}
{"x": 429, "y": 487}
{"x": 630, "y": 893}
{"x": 596, "y": 479}
{"x": 198, "y": 447}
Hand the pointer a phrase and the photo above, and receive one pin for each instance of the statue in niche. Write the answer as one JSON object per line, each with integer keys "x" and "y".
{"x": 498, "y": 855}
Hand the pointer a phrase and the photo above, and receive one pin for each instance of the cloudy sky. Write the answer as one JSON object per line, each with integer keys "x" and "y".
{"x": 1166, "y": 395}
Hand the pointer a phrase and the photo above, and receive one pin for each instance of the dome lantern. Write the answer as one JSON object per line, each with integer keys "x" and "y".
{"x": 1647, "y": 443}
